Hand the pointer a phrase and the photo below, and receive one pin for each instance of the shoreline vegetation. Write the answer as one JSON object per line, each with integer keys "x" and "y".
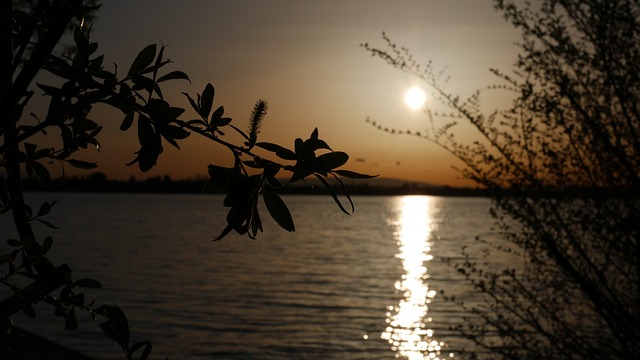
{"x": 99, "y": 182}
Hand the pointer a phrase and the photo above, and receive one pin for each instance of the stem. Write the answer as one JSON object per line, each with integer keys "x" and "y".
{"x": 63, "y": 11}
{"x": 6, "y": 49}
{"x": 14, "y": 183}
{"x": 214, "y": 138}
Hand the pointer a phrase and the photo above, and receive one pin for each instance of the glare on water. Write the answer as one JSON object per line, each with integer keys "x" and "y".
{"x": 408, "y": 331}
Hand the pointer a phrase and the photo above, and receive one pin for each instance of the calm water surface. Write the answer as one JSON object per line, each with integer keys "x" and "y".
{"x": 365, "y": 286}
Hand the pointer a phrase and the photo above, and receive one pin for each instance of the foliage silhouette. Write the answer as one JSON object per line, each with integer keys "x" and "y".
{"x": 568, "y": 147}
{"x": 33, "y": 40}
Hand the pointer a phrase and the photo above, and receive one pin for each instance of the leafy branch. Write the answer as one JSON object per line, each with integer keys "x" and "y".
{"x": 81, "y": 81}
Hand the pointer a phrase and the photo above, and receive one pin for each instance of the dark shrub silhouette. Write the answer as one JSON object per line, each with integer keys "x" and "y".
{"x": 567, "y": 149}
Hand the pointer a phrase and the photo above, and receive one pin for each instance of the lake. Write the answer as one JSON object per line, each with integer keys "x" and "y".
{"x": 365, "y": 286}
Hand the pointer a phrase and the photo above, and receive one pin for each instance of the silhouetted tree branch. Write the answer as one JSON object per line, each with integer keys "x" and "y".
{"x": 32, "y": 33}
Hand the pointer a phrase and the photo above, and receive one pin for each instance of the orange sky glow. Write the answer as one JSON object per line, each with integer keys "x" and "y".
{"x": 305, "y": 59}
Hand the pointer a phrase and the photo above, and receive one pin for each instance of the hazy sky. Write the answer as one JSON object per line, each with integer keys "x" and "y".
{"x": 305, "y": 59}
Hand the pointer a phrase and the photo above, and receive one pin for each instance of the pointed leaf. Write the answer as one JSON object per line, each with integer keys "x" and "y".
{"x": 224, "y": 233}
{"x": 145, "y": 58}
{"x": 30, "y": 148}
{"x": 117, "y": 327}
{"x": 45, "y": 208}
{"x": 41, "y": 172}
{"x": 255, "y": 222}
{"x": 217, "y": 115}
{"x": 82, "y": 164}
{"x": 88, "y": 283}
{"x": 145, "y": 129}
{"x": 194, "y": 105}
{"x": 333, "y": 194}
{"x": 49, "y": 90}
{"x": 344, "y": 191}
{"x": 271, "y": 147}
{"x": 127, "y": 122}
{"x": 171, "y": 132}
{"x": 333, "y": 160}
{"x": 206, "y": 102}
{"x": 14, "y": 242}
{"x": 46, "y": 244}
{"x": 145, "y": 353}
{"x": 280, "y": 151}
{"x": 71, "y": 320}
{"x": 48, "y": 224}
{"x": 174, "y": 75}
{"x": 277, "y": 209}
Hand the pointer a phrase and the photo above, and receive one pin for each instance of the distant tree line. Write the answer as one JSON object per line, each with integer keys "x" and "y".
{"x": 99, "y": 182}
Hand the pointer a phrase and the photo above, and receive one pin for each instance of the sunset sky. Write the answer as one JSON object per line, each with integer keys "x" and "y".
{"x": 305, "y": 59}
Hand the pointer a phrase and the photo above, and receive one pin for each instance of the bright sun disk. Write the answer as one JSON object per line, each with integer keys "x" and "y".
{"x": 415, "y": 98}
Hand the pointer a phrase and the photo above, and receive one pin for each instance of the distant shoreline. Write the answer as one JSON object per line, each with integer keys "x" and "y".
{"x": 98, "y": 182}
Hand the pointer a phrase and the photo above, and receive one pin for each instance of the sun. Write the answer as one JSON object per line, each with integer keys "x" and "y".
{"x": 415, "y": 98}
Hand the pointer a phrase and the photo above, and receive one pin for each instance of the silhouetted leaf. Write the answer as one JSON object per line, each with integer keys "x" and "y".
{"x": 82, "y": 164}
{"x": 280, "y": 151}
{"x": 49, "y": 90}
{"x": 298, "y": 146}
{"x": 30, "y": 148}
{"x": 117, "y": 327}
{"x": 80, "y": 38}
{"x": 171, "y": 132}
{"x": 88, "y": 125}
{"x": 216, "y": 117}
{"x": 173, "y": 76}
{"x": 274, "y": 182}
{"x": 41, "y": 172}
{"x": 333, "y": 194}
{"x": 270, "y": 146}
{"x": 71, "y": 320}
{"x": 255, "y": 222}
{"x": 145, "y": 353}
{"x": 277, "y": 209}
{"x": 145, "y": 129}
{"x": 206, "y": 102}
{"x": 48, "y": 224}
{"x": 46, "y": 244}
{"x": 145, "y": 58}
{"x": 220, "y": 179}
{"x": 333, "y": 160}
{"x": 45, "y": 208}
{"x": 127, "y": 121}
{"x": 148, "y": 154}
{"x": 103, "y": 74}
{"x": 88, "y": 283}
{"x": 142, "y": 82}
{"x": 344, "y": 191}
{"x": 192, "y": 102}
{"x": 14, "y": 242}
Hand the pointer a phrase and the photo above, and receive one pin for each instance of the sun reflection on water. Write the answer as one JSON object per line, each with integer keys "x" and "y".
{"x": 407, "y": 329}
